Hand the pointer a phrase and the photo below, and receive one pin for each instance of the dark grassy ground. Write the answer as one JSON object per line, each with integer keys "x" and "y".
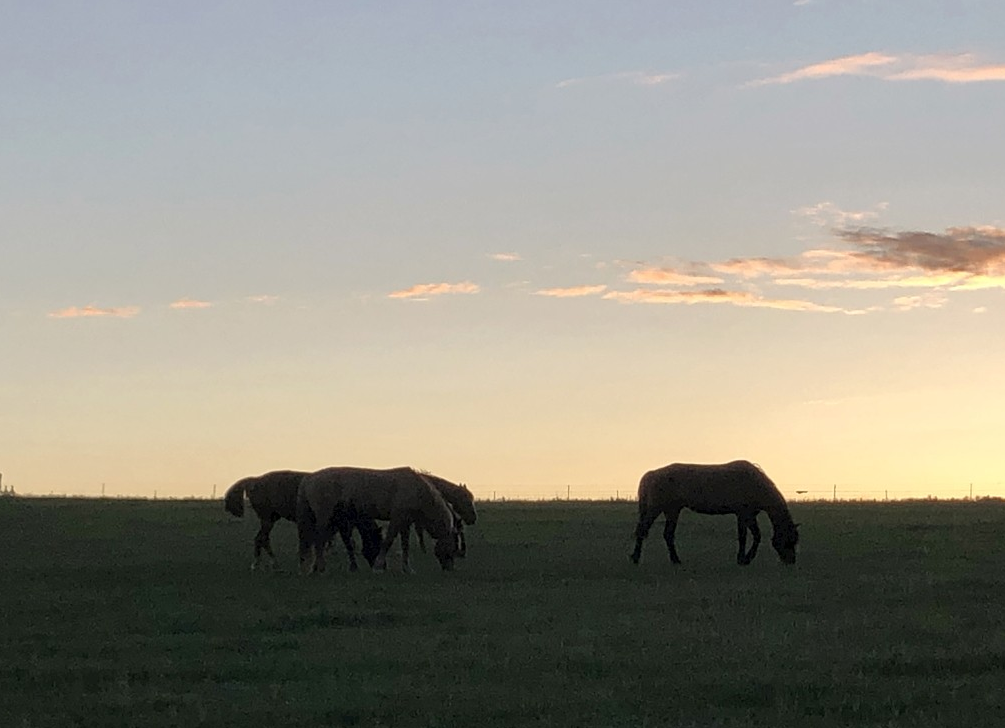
{"x": 119, "y": 613}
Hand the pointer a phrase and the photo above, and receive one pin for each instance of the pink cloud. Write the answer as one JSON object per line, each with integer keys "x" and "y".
{"x": 718, "y": 295}
{"x": 572, "y": 292}
{"x": 957, "y": 68}
{"x": 95, "y": 312}
{"x": 424, "y": 291}
{"x": 671, "y": 277}
{"x": 845, "y": 66}
{"x": 185, "y": 303}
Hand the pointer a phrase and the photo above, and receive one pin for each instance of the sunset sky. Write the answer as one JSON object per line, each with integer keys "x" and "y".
{"x": 527, "y": 246}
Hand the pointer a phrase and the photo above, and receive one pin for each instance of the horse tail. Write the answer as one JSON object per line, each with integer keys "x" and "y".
{"x": 233, "y": 499}
{"x": 645, "y": 495}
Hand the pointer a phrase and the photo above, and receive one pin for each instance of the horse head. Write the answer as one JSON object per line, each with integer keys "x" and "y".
{"x": 784, "y": 540}
{"x": 466, "y": 509}
{"x": 446, "y": 551}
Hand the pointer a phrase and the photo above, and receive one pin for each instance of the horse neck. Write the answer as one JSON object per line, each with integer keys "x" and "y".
{"x": 454, "y": 495}
{"x": 436, "y": 514}
{"x": 778, "y": 513}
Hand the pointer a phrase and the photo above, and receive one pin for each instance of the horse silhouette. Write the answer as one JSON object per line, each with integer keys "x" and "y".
{"x": 737, "y": 487}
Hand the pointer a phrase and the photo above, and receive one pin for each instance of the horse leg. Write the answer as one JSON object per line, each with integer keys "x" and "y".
{"x": 741, "y": 539}
{"x": 322, "y": 535}
{"x": 669, "y": 529}
{"x": 405, "y": 543}
{"x": 755, "y": 531}
{"x": 263, "y": 543}
{"x": 641, "y": 531}
{"x": 345, "y": 532}
{"x": 747, "y": 522}
{"x": 395, "y": 527}
{"x": 306, "y": 528}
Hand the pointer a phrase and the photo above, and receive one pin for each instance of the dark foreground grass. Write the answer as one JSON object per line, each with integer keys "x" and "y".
{"x": 118, "y": 613}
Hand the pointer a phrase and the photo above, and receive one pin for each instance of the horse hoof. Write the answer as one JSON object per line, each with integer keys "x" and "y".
{"x": 634, "y": 559}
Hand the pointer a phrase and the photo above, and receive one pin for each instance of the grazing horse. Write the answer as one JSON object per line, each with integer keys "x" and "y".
{"x": 274, "y": 496}
{"x": 461, "y": 502}
{"x": 401, "y": 496}
{"x": 739, "y": 487}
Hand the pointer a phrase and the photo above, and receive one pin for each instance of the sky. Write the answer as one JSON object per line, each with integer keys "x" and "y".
{"x": 537, "y": 248}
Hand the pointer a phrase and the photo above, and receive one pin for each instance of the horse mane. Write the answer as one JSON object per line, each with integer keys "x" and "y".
{"x": 233, "y": 499}
{"x": 435, "y": 509}
{"x": 458, "y": 496}
{"x": 781, "y": 507}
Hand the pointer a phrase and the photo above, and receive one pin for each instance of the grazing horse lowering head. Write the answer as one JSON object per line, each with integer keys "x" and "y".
{"x": 446, "y": 550}
{"x": 784, "y": 539}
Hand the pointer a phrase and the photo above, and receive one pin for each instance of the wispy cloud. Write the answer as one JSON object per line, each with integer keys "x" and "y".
{"x": 956, "y": 68}
{"x": 922, "y": 270}
{"x": 928, "y": 300}
{"x": 719, "y": 295}
{"x": 505, "y": 257}
{"x": 974, "y": 251}
{"x": 95, "y": 312}
{"x": 671, "y": 277}
{"x": 425, "y": 291}
{"x": 965, "y": 258}
{"x": 830, "y": 215}
{"x": 572, "y": 292}
{"x": 188, "y": 303}
{"x": 266, "y": 299}
{"x": 634, "y": 78}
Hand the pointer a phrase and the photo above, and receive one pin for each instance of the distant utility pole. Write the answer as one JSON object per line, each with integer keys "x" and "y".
{"x": 214, "y": 491}
{"x": 971, "y": 491}
{"x": 835, "y": 491}
{"x": 568, "y": 492}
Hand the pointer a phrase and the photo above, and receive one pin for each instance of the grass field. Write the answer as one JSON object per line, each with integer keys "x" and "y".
{"x": 129, "y": 613}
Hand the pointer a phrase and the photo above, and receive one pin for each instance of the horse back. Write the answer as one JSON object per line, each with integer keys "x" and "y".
{"x": 712, "y": 489}
{"x": 378, "y": 493}
{"x": 275, "y": 494}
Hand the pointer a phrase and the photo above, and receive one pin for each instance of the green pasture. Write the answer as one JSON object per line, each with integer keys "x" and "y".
{"x": 144, "y": 613}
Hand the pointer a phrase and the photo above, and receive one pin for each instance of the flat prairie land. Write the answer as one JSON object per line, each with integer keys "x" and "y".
{"x": 145, "y": 613}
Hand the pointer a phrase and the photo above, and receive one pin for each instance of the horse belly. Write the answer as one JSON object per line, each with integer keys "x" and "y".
{"x": 711, "y": 510}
